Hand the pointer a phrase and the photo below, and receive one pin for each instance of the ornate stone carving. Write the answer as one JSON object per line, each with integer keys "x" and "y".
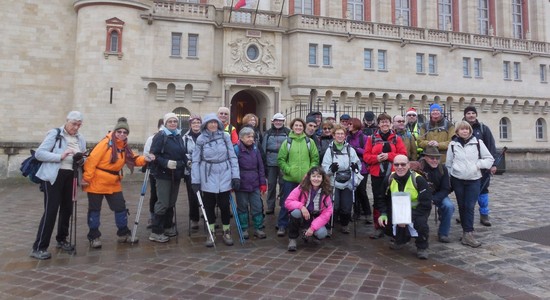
{"x": 264, "y": 63}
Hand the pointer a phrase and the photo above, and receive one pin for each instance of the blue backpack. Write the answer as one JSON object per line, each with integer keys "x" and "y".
{"x": 29, "y": 167}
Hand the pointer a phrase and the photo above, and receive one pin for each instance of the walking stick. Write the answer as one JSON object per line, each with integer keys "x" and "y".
{"x": 176, "y": 223}
{"x": 72, "y": 229}
{"x": 236, "y": 217}
{"x": 140, "y": 204}
{"x": 206, "y": 218}
{"x": 332, "y": 198}
{"x": 353, "y": 198}
{"x": 497, "y": 162}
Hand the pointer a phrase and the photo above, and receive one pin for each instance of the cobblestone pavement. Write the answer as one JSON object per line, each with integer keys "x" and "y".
{"x": 343, "y": 267}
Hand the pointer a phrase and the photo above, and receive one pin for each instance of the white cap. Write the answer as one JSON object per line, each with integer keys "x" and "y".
{"x": 74, "y": 115}
{"x": 278, "y": 116}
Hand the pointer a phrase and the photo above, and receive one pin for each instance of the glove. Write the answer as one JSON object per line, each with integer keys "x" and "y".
{"x": 263, "y": 188}
{"x": 172, "y": 164}
{"x": 383, "y": 220}
{"x": 333, "y": 167}
{"x": 78, "y": 159}
{"x": 235, "y": 184}
{"x": 354, "y": 167}
{"x": 195, "y": 187}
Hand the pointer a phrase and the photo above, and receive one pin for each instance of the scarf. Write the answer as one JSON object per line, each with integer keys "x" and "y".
{"x": 128, "y": 155}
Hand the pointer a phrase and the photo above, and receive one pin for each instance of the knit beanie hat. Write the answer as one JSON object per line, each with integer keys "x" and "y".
{"x": 194, "y": 117}
{"x": 122, "y": 123}
{"x": 311, "y": 119}
{"x": 369, "y": 116}
{"x": 470, "y": 108}
{"x": 168, "y": 116}
{"x": 434, "y": 107}
{"x": 411, "y": 111}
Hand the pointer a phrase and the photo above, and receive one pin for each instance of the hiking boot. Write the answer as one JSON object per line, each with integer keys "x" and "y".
{"x": 245, "y": 234}
{"x": 95, "y": 243}
{"x": 395, "y": 246}
{"x": 270, "y": 212}
{"x": 40, "y": 254}
{"x": 281, "y": 231}
{"x": 443, "y": 239}
{"x": 378, "y": 233}
{"x": 422, "y": 253}
{"x": 194, "y": 225}
{"x": 159, "y": 238}
{"x": 345, "y": 229}
{"x": 170, "y": 232}
{"x": 368, "y": 219}
{"x": 64, "y": 245}
{"x": 127, "y": 238}
{"x": 209, "y": 242}
{"x": 227, "y": 238}
{"x": 469, "y": 240}
{"x": 484, "y": 220}
{"x": 292, "y": 245}
{"x": 260, "y": 234}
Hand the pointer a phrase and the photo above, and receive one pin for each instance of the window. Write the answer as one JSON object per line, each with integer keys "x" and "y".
{"x": 540, "y": 129}
{"x": 327, "y": 55}
{"x": 114, "y": 42}
{"x": 477, "y": 68}
{"x": 192, "y": 44}
{"x": 183, "y": 115}
{"x": 517, "y": 71}
{"x": 504, "y": 128}
{"x": 506, "y": 69}
{"x": 517, "y": 20}
{"x": 403, "y": 12}
{"x": 483, "y": 16}
{"x": 466, "y": 67}
{"x": 355, "y": 10}
{"x": 420, "y": 63}
{"x": 304, "y": 7}
{"x": 432, "y": 64}
{"x": 312, "y": 54}
{"x": 445, "y": 10}
{"x": 543, "y": 76}
{"x": 367, "y": 58}
{"x": 176, "y": 44}
{"x": 252, "y": 52}
{"x": 382, "y": 60}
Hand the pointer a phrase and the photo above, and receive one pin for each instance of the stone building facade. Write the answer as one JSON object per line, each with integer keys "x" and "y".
{"x": 142, "y": 58}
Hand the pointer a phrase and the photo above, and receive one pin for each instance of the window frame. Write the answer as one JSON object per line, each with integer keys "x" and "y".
{"x": 503, "y": 129}
{"x": 506, "y": 70}
{"x": 192, "y": 45}
{"x": 327, "y": 55}
{"x": 420, "y": 62}
{"x": 369, "y": 60}
{"x": 517, "y": 19}
{"x": 355, "y": 10}
{"x": 301, "y": 7}
{"x": 175, "y": 42}
{"x": 540, "y": 130}
{"x": 432, "y": 64}
{"x": 444, "y": 16}
{"x": 312, "y": 61}
{"x": 483, "y": 16}
{"x": 466, "y": 67}
{"x": 517, "y": 71}
{"x": 382, "y": 60}
{"x": 404, "y": 12}
{"x": 543, "y": 71}
{"x": 478, "y": 68}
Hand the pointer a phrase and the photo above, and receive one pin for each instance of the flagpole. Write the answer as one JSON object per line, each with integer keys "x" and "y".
{"x": 257, "y": 5}
{"x": 281, "y": 13}
{"x": 231, "y": 11}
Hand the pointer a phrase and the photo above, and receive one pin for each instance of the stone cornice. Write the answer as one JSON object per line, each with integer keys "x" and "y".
{"x": 137, "y": 4}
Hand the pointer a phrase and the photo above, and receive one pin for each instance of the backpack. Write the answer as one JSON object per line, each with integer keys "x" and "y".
{"x": 289, "y": 142}
{"x": 414, "y": 174}
{"x": 30, "y": 165}
{"x": 372, "y": 139}
{"x": 210, "y": 161}
{"x": 342, "y": 176}
{"x": 478, "y": 149}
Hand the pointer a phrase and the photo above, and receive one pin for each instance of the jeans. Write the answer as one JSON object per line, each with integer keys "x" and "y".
{"x": 297, "y": 222}
{"x": 445, "y": 209}
{"x": 343, "y": 203}
{"x": 246, "y": 199}
{"x": 467, "y": 192}
{"x": 282, "y": 219}
{"x": 274, "y": 176}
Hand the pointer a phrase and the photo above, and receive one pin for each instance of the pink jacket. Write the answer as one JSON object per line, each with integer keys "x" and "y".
{"x": 297, "y": 199}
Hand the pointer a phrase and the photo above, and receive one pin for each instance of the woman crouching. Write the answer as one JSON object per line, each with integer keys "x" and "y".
{"x": 310, "y": 207}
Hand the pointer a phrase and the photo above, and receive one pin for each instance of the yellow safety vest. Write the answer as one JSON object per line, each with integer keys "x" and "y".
{"x": 409, "y": 188}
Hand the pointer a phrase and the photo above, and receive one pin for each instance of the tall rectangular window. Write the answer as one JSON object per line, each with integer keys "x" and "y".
{"x": 327, "y": 55}
{"x": 304, "y": 7}
{"x": 517, "y": 71}
{"x": 432, "y": 64}
{"x": 539, "y": 129}
{"x": 192, "y": 43}
{"x": 483, "y": 16}
{"x": 506, "y": 69}
{"x": 382, "y": 60}
{"x": 543, "y": 76}
{"x": 403, "y": 12}
{"x": 176, "y": 44}
{"x": 355, "y": 10}
{"x": 367, "y": 58}
{"x": 517, "y": 20}
{"x": 420, "y": 63}
{"x": 466, "y": 67}
{"x": 312, "y": 54}
{"x": 503, "y": 128}
{"x": 445, "y": 10}
{"x": 477, "y": 68}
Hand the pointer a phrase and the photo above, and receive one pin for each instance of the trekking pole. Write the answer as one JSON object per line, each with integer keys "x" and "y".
{"x": 353, "y": 199}
{"x": 140, "y": 204}
{"x": 176, "y": 223}
{"x": 199, "y": 198}
{"x": 496, "y": 163}
{"x": 436, "y": 215}
{"x": 236, "y": 217}
{"x": 332, "y": 199}
{"x": 72, "y": 229}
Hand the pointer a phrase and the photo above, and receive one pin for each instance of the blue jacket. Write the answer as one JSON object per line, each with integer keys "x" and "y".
{"x": 251, "y": 167}
{"x": 168, "y": 146}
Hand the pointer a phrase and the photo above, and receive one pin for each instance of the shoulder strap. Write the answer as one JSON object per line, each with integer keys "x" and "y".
{"x": 362, "y": 140}
{"x": 478, "y": 149}
{"x": 57, "y": 138}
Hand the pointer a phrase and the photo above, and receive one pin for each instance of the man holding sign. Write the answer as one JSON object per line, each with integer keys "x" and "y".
{"x": 406, "y": 191}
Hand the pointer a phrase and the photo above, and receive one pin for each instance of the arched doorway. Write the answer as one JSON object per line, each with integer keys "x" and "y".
{"x": 246, "y": 102}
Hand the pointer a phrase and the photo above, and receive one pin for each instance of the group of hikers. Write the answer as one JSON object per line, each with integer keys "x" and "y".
{"x": 317, "y": 170}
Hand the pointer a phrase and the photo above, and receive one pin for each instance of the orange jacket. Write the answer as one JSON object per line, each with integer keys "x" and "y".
{"x": 99, "y": 171}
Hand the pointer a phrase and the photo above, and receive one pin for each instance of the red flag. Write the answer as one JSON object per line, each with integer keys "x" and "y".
{"x": 240, "y": 4}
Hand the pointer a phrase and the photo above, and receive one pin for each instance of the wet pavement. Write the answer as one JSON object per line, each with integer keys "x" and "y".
{"x": 342, "y": 267}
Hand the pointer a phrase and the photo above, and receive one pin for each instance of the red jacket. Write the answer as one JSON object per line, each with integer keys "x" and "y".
{"x": 372, "y": 151}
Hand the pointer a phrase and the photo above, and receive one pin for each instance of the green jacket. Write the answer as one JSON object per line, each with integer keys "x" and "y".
{"x": 297, "y": 161}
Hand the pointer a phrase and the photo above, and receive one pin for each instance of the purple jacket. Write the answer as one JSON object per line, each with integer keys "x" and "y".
{"x": 251, "y": 167}
{"x": 357, "y": 141}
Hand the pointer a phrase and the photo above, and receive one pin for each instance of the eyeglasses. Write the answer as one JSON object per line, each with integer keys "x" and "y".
{"x": 223, "y": 113}
{"x": 400, "y": 164}
{"x": 122, "y": 132}
{"x": 327, "y": 128}
{"x": 400, "y": 121}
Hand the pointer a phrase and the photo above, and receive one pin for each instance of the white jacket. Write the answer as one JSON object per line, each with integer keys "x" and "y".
{"x": 344, "y": 164}
{"x": 464, "y": 162}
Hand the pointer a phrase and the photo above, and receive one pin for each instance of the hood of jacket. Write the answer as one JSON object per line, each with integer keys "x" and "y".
{"x": 208, "y": 118}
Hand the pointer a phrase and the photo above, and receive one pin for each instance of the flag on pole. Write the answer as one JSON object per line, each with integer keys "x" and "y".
{"x": 240, "y": 4}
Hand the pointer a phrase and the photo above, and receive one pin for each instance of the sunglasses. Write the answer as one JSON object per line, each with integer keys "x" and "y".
{"x": 327, "y": 128}
{"x": 400, "y": 164}
{"x": 122, "y": 132}
{"x": 411, "y": 115}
